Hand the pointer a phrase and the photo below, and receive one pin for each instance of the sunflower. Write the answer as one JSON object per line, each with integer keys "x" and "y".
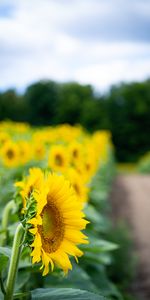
{"x": 59, "y": 159}
{"x": 91, "y": 162}
{"x": 57, "y": 224}
{"x": 10, "y": 154}
{"x": 4, "y": 137}
{"x": 25, "y": 151}
{"x": 78, "y": 183}
{"x": 38, "y": 151}
{"x": 30, "y": 183}
{"x": 102, "y": 141}
{"x": 76, "y": 151}
{"x": 66, "y": 132}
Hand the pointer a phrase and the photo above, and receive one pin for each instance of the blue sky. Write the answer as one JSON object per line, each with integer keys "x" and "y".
{"x": 98, "y": 42}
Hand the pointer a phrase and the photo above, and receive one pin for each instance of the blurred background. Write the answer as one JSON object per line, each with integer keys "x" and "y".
{"x": 78, "y": 61}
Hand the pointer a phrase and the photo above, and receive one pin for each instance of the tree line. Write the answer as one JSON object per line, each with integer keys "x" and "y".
{"x": 124, "y": 110}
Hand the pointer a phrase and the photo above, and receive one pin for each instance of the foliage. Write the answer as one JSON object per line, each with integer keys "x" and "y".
{"x": 42, "y": 99}
{"x": 64, "y": 293}
{"x": 118, "y": 270}
{"x": 129, "y": 117}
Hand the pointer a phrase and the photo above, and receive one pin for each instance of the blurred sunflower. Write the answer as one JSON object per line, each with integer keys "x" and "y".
{"x": 25, "y": 151}
{"x": 76, "y": 152}
{"x": 59, "y": 158}
{"x": 19, "y": 127}
{"x": 10, "y": 154}
{"x": 79, "y": 185}
{"x": 57, "y": 224}
{"x": 90, "y": 160}
{"x": 38, "y": 151}
{"x": 4, "y": 137}
{"x": 102, "y": 141}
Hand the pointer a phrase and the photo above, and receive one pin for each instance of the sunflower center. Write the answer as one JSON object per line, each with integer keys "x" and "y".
{"x": 77, "y": 189}
{"x": 48, "y": 223}
{"x": 87, "y": 166}
{"x": 10, "y": 154}
{"x": 75, "y": 153}
{"x": 39, "y": 150}
{"x": 58, "y": 160}
{"x": 52, "y": 228}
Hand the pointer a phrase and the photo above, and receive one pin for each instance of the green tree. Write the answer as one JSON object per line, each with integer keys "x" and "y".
{"x": 72, "y": 102}
{"x": 128, "y": 109}
{"x": 94, "y": 115}
{"x": 42, "y": 99}
{"x": 12, "y": 106}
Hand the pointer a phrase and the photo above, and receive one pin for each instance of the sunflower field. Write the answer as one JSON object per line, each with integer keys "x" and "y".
{"x": 54, "y": 188}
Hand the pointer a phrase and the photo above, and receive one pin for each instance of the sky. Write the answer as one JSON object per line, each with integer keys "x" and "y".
{"x": 98, "y": 42}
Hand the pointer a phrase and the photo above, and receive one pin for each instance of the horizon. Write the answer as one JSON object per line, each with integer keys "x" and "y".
{"x": 21, "y": 91}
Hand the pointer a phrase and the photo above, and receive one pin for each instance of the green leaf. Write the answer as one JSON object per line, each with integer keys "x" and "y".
{"x": 97, "y": 196}
{"x": 99, "y": 246}
{"x": 5, "y": 254}
{"x": 77, "y": 278}
{"x": 22, "y": 278}
{"x": 92, "y": 214}
{"x": 101, "y": 258}
{"x": 5, "y": 251}
{"x": 3, "y": 262}
{"x": 98, "y": 275}
{"x": 98, "y": 251}
{"x": 1, "y": 296}
{"x": 64, "y": 294}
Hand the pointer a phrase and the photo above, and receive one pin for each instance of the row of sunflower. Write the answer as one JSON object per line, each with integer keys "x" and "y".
{"x": 57, "y": 179}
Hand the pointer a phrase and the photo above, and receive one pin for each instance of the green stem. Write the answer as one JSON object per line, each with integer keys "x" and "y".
{"x": 16, "y": 250}
{"x": 5, "y": 218}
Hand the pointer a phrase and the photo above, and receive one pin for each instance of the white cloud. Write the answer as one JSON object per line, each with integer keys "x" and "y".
{"x": 36, "y": 45}
{"x": 105, "y": 74}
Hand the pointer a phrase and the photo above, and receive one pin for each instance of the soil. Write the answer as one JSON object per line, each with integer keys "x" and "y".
{"x": 130, "y": 199}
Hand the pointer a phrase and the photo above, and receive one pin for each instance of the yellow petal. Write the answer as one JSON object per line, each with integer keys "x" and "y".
{"x": 33, "y": 230}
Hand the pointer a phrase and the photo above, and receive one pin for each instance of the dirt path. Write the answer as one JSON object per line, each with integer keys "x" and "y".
{"x": 131, "y": 201}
